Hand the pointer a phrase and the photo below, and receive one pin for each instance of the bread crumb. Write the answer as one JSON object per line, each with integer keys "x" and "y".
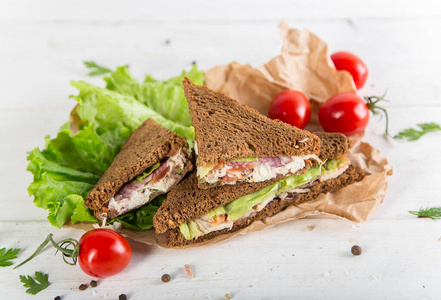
{"x": 309, "y": 228}
{"x": 189, "y": 271}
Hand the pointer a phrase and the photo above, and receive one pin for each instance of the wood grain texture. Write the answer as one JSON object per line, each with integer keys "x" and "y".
{"x": 276, "y": 263}
{"x": 42, "y": 47}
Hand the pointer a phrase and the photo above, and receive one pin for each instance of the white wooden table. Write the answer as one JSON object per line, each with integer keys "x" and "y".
{"x": 42, "y": 47}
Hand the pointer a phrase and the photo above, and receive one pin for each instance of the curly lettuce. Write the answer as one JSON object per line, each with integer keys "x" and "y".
{"x": 73, "y": 162}
{"x": 164, "y": 97}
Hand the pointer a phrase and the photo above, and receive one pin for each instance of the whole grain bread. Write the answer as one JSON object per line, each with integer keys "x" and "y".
{"x": 227, "y": 130}
{"x": 351, "y": 175}
{"x": 333, "y": 145}
{"x": 186, "y": 201}
{"x": 147, "y": 145}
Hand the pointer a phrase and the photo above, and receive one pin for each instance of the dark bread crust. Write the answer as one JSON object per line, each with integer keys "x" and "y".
{"x": 227, "y": 130}
{"x": 351, "y": 175}
{"x": 333, "y": 145}
{"x": 147, "y": 145}
{"x": 186, "y": 201}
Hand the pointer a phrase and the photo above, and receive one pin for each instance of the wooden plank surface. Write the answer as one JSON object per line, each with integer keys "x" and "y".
{"x": 399, "y": 261}
{"x": 42, "y": 47}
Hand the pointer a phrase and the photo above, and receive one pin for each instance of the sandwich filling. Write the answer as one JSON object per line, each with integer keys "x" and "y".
{"x": 252, "y": 169}
{"x": 247, "y": 206}
{"x": 155, "y": 180}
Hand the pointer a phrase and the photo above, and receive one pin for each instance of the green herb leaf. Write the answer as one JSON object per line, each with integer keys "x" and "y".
{"x": 6, "y": 256}
{"x": 433, "y": 213}
{"x": 412, "y": 134}
{"x": 36, "y": 285}
{"x": 96, "y": 69}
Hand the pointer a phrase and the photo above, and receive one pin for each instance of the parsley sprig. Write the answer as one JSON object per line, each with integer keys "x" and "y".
{"x": 412, "y": 134}
{"x": 96, "y": 69}
{"x": 433, "y": 213}
{"x": 6, "y": 256}
{"x": 36, "y": 285}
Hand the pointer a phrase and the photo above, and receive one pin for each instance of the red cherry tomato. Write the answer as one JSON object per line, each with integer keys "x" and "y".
{"x": 346, "y": 113}
{"x": 349, "y": 62}
{"x": 103, "y": 253}
{"x": 291, "y": 107}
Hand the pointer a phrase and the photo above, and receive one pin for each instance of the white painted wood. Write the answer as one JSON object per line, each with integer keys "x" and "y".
{"x": 42, "y": 46}
{"x": 399, "y": 261}
{"x": 157, "y": 11}
{"x": 38, "y": 62}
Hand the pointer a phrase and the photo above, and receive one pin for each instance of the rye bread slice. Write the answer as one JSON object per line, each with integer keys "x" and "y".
{"x": 351, "y": 175}
{"x": 147, "y": 145}
{"x": 333, "y": 145}
{"x": 227, "y": 130}
{"x": 186, "y": 201}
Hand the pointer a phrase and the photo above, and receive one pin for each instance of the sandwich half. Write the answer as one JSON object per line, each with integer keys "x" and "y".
{"x": 190, "y": 215}
{"x": 151, "y": 161}
{"x": 236, "y": 144}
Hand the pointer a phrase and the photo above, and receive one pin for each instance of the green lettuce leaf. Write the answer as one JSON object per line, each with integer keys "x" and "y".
{"x": 165, "y": 97}
{"x": 55, "y": 186}
{"x": 107, "y": 109}
{"x": 147, "y": 172}
{"x": 79, "y": 150}
{"x": 237, "y": 208}
{"x": 190, "y": 230}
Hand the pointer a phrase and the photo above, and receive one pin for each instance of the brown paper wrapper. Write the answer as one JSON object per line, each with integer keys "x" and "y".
{"x": 306, "y": 66}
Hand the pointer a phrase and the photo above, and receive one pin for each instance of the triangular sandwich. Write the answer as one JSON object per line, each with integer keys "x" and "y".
{"x": 191, "y": 215}
{"x": 151, "y": 161}
{"x": 236, "y": 144}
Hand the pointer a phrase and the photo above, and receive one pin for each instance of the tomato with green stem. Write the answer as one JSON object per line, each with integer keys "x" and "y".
{"x": 100, "y": 252}
{"x": 348, "y": 113}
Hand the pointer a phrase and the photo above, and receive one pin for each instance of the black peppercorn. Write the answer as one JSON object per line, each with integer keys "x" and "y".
{"x": 165, "y": 278}
{"x": 122, "y": 297}
{"x": 356, "y": 250}
{"x": 93, "y": 283}
{"x": 82, "y": 287}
